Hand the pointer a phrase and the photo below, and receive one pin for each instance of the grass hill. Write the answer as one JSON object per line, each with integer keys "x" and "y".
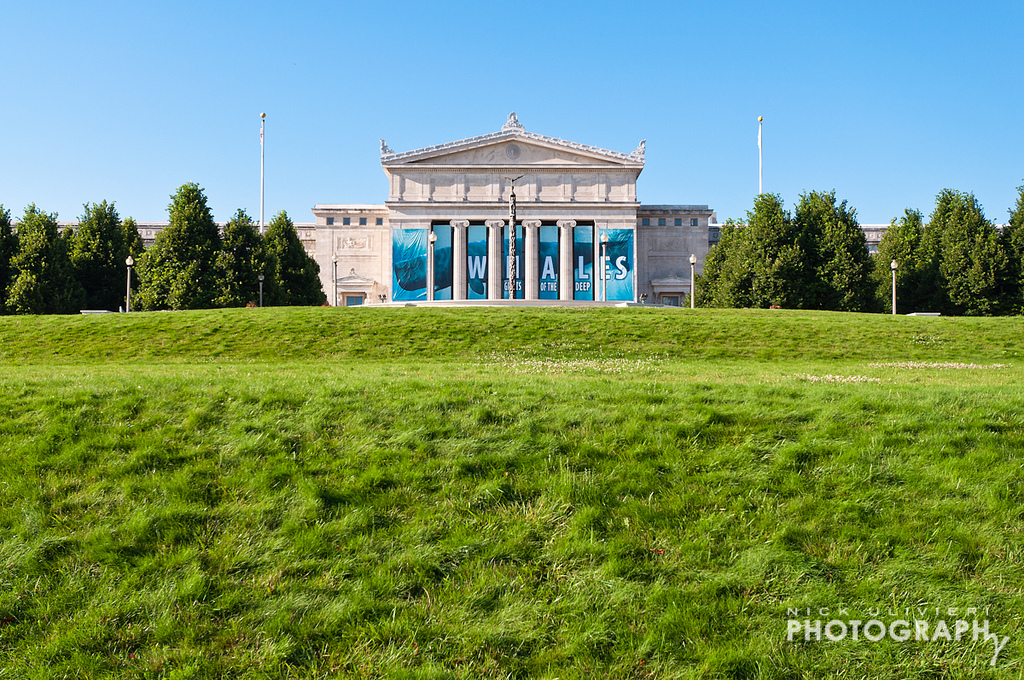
{"x": 314, "y": 334}
{"x": 441, "y": 493}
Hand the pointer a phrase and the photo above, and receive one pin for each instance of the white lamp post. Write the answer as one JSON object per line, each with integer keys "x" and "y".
{"x": 128, "y": 295}
{"x": 894, "y": 266}
{"x": 431, "y": 239}
{"x": 260, "y": 277}
{"x": 602, "y": 278}
{"x": 334, "y": 259}
{"x": 693, "y": 265}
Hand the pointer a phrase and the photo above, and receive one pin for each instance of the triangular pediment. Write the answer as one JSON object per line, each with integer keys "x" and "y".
{"x": 514, "y": 152}
{"x": 353, "y": 279}
{"x": 510, "y": 147}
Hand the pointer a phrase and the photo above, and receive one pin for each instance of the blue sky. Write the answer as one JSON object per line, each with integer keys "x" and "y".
{"x": 887, "y": 103}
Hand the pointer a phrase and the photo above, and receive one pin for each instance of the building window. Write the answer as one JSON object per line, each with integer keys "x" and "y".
{"x": 353, "y": 300}
{"x": 330, "y": 221}
{"x": 670, "y": 300}
{"x": 679, "y": 221}
{"x": 646, "y": 222}
{"x": 346, "y": 221}
{"x": 362, "y": 221}
{"x": 661, "y": 221}
{"x": 693, "y": 222}
{"x": 380, "y": 221}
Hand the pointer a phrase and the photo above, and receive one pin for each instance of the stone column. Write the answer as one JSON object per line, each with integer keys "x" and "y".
{"x": 494, "y": 255}
{"x": 531, "y": 270}
{"x": 460, "y": 277}
{"x": 566, "y": 280}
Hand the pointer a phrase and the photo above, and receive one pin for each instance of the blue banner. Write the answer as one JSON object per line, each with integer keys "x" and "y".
{"x": 476, "y": 264}
{"x": 409, "y": 264}
{"x": 583, "y": 262}
{"x": 548, "y": 252}
{"x": 618, "y": 264}
{"x": 519, "y": 262}
{"x": 443, "y": 262}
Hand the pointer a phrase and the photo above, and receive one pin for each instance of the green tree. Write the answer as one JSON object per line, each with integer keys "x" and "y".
{"x": 180, "y": 270}
{"x": 902, "y": 243}
{"x": 761, "y": 265}
{"x": 773, "y": 255}
{"x": 815, "y": 259}
{"x": 99, "y": 247}
{"x": 243, "y": 257}
{"x": 838, "y": 264}
{"x": 43, "y": 276}
{"x": 965, "y": 266}
{"x": 723, "y": 281}
{"x": 297, "y": 276}
{"x": 1013, "y": 245}
{"x": 8, "y": 249}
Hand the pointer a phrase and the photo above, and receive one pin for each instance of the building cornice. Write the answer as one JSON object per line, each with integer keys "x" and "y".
{"x": 529, "y": 169}
{"x": 525, "y": 204}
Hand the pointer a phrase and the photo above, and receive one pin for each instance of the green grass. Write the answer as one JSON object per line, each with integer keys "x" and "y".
{"x": 310, "y": 334}
{"x": 396, "y": 493}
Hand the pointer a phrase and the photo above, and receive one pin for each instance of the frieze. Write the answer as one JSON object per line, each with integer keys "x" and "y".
{"x": 355, "y": 243}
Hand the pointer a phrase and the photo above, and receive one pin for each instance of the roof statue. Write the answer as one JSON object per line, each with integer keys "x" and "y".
{"x": 512, "y": 123}
{"x": 640, "y": 150}
{"x": 385, "y": 150}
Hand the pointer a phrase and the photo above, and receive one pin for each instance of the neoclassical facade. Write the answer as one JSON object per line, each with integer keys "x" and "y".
{"x": 443, "y": 233}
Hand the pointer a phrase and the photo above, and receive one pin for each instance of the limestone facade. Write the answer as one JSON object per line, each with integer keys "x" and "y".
{"x": 462, "y": 186}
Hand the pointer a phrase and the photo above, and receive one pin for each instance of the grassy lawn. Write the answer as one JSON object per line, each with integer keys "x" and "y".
{"x": 502, "y": 493}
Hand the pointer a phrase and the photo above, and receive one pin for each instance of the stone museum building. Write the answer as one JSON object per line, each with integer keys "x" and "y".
{"x": 443, "y": 233}
{"x": 581, "y": 234}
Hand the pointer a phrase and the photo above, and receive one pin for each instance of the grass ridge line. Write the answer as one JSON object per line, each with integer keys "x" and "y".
{"x": 300, "y": 334}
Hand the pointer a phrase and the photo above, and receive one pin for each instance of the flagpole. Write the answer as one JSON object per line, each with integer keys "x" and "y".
{"x": 760, "y": 158}
{"x": 263, "y": 123}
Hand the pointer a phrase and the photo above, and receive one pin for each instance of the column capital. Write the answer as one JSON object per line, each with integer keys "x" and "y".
{"x": 495, "y": 224}
{"x": 566, "y": 223}
{"x": 531, "y": 223}
{"x": 459, "y": 223}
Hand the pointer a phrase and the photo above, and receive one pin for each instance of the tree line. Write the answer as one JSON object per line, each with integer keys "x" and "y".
{"x": 956, "y": 263}
{"x": 191, "y": 265}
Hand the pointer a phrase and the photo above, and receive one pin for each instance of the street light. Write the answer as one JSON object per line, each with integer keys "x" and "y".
{"x": 603, "y": 278}
{"x": 894, "y": 266}
{"x": 334, "y": 259}
{"x": 432, "y": 239}
{"x": 260, "y": 277}
{"x": 128, "y": 296}
{"x": 693, "y": 264}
